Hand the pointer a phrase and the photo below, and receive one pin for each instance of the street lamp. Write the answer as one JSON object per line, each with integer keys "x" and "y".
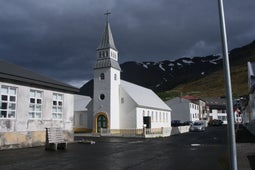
{"x": 231, "y": 128}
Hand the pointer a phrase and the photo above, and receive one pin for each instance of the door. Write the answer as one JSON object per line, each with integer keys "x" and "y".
{"x": 101, "y": 122}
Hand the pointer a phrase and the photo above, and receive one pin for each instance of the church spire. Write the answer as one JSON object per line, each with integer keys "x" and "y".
{"x": 107, "y": 38}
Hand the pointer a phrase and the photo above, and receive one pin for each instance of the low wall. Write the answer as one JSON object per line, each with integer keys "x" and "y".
{"x": 11, "y": 140}
{"x": 179, "y": 130}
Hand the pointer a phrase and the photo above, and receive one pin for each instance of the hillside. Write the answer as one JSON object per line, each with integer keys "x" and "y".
{"x": 212, "y": 85}
{"x": 197, "y": 76}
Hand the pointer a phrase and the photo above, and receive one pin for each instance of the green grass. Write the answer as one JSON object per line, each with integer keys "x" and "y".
{"x": 212, "y": 85}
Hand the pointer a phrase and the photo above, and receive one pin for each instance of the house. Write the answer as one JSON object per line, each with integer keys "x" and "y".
{"x": 249, "y": 115}
{"x": 81, "y": 113}
{"x": 203, "y": 109}
{"x": 118, "y": 105}
{"x": 183, "y": 109}
{"x": 30, "y": 103}
{"x": 217, "y": 108}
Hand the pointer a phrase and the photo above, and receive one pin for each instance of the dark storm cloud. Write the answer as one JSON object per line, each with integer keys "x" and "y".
{"x": 58, "y": 38}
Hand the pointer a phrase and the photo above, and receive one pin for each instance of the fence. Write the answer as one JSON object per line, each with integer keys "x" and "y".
{"x": 146, "y": 132}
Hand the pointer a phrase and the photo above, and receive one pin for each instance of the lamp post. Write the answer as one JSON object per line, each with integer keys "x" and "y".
{"x": 231, "y": 128}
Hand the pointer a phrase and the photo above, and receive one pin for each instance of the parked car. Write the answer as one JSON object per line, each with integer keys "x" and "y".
{"x": 197, "y": 126}
{"x": 176, "y": 123}
{"x": 187, "y": 123}
{"x": 215, "y": 122}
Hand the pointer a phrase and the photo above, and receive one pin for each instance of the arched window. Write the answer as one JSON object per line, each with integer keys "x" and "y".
{"x": 102, "y": 76}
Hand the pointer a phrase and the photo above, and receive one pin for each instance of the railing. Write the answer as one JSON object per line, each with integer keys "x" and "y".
{"x": 146, "y": 132}
{"x": 121, "y": 132}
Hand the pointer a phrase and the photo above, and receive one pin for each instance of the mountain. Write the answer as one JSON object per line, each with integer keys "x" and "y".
{"x": 166, "y": 75}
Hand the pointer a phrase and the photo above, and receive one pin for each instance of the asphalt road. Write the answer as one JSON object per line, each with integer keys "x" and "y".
{"x": 196, "y": 150}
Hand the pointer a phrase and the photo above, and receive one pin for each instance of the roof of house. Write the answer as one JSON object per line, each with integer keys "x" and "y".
{"x": 177, "y": 100}
{"x": 81, "y": 102}
{"x": 144, "y": 97}
{"x": 12, "y": 73}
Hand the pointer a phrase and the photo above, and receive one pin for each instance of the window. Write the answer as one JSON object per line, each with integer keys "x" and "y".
{"x": 115, "y": 76}
{"x": 8, "y": 102}
{"x": 57, "y": 106}
{"x": 102, "y": 96}
{"x": 35, "y": 106}
{"x": 122, "y": 100}
{"x": 102, "y": 76}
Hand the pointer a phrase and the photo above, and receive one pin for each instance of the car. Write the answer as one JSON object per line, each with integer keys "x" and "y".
{"x": 197, "y": 126}
{"x": 175, "y": 123}
{"x": 215, "y": 122}
{"x": 187, "y": 123}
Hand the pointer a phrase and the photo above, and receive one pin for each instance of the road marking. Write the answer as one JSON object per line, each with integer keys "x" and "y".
{"x": 195, "y": 144}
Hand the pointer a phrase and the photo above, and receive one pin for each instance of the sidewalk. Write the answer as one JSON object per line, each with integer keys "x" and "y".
{"x": 245, "y": 147}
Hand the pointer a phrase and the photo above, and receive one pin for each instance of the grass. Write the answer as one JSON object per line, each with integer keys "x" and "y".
{"x": 212, "y": 85}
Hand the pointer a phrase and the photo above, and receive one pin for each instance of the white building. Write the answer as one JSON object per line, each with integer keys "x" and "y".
{"x": 81, "y": 113}
{"x": 217, "y": 108}
{"x": 183, "y": 109}
{"x": 118, "y": 105}
{"x": 30, "y": 103}
{"x": 249, "y": 115}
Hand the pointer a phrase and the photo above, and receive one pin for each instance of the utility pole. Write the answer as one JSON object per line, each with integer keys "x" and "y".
{"x": 231, "y": 127}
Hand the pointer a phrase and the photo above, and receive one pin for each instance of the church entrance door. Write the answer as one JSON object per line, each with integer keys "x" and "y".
{"x": 101, "y": 122}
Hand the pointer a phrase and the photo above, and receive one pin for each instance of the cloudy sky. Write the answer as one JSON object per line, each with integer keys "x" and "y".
{"x": 58, "y": 38}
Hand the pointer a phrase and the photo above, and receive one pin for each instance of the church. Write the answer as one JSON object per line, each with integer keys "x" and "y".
{"x": 118, "y": 105}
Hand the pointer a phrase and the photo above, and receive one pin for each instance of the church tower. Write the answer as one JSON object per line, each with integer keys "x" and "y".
{"x": 106, "y": 83}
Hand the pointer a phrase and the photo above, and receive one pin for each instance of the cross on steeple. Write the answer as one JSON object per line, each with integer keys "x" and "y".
{"x": 107, "y": 15}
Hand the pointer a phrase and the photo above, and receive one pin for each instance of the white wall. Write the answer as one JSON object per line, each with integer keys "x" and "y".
{"x": 115, "y": 99}
{"x": 22, "y": 122}
{"x": 127, "y": 111}
{"x": 216, "y": 114}
{"x": 159, "y": 118}
{"x": 25, "y": 131}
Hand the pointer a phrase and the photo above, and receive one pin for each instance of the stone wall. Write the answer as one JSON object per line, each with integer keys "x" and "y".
{"x": 12, "y": 140}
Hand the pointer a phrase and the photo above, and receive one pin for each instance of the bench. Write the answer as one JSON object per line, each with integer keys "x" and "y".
{"x": 54, "y": 139}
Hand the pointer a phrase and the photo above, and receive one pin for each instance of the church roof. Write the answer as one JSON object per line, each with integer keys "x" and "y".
{"x": 144, "y": 97}
{"x": 107, "y": 38}
{"x": 12, "y": 73}
{"x": 104, "y": 63}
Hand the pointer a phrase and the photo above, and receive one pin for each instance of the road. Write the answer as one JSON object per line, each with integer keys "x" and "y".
{"x": 196, "y": 150}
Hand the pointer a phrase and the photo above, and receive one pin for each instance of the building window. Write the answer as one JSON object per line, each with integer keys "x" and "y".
{"x": 122, "y": 100}
{"x": 57, "y": 106}
{"x": 8, "y": 102}
{"x": 102, "y": 76}
{"x": 115, "y": 76}
{"x": 35, "y": 106}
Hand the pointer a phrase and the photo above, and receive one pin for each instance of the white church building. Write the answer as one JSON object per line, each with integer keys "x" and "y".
{"x": 118, "y": 105}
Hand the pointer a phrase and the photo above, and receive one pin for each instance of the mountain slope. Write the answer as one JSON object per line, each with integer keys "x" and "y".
{"x": 199, "y": 75}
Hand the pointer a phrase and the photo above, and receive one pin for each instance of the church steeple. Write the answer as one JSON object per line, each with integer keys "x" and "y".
{"x": 107, "y": 39}
{"x": 107, "y": 53}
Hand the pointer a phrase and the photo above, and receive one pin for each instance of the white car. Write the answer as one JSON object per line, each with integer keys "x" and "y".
{"x": 197, "y": 126}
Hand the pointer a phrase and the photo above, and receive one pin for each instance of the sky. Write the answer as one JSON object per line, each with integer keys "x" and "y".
{"x": 58, "y": 38}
